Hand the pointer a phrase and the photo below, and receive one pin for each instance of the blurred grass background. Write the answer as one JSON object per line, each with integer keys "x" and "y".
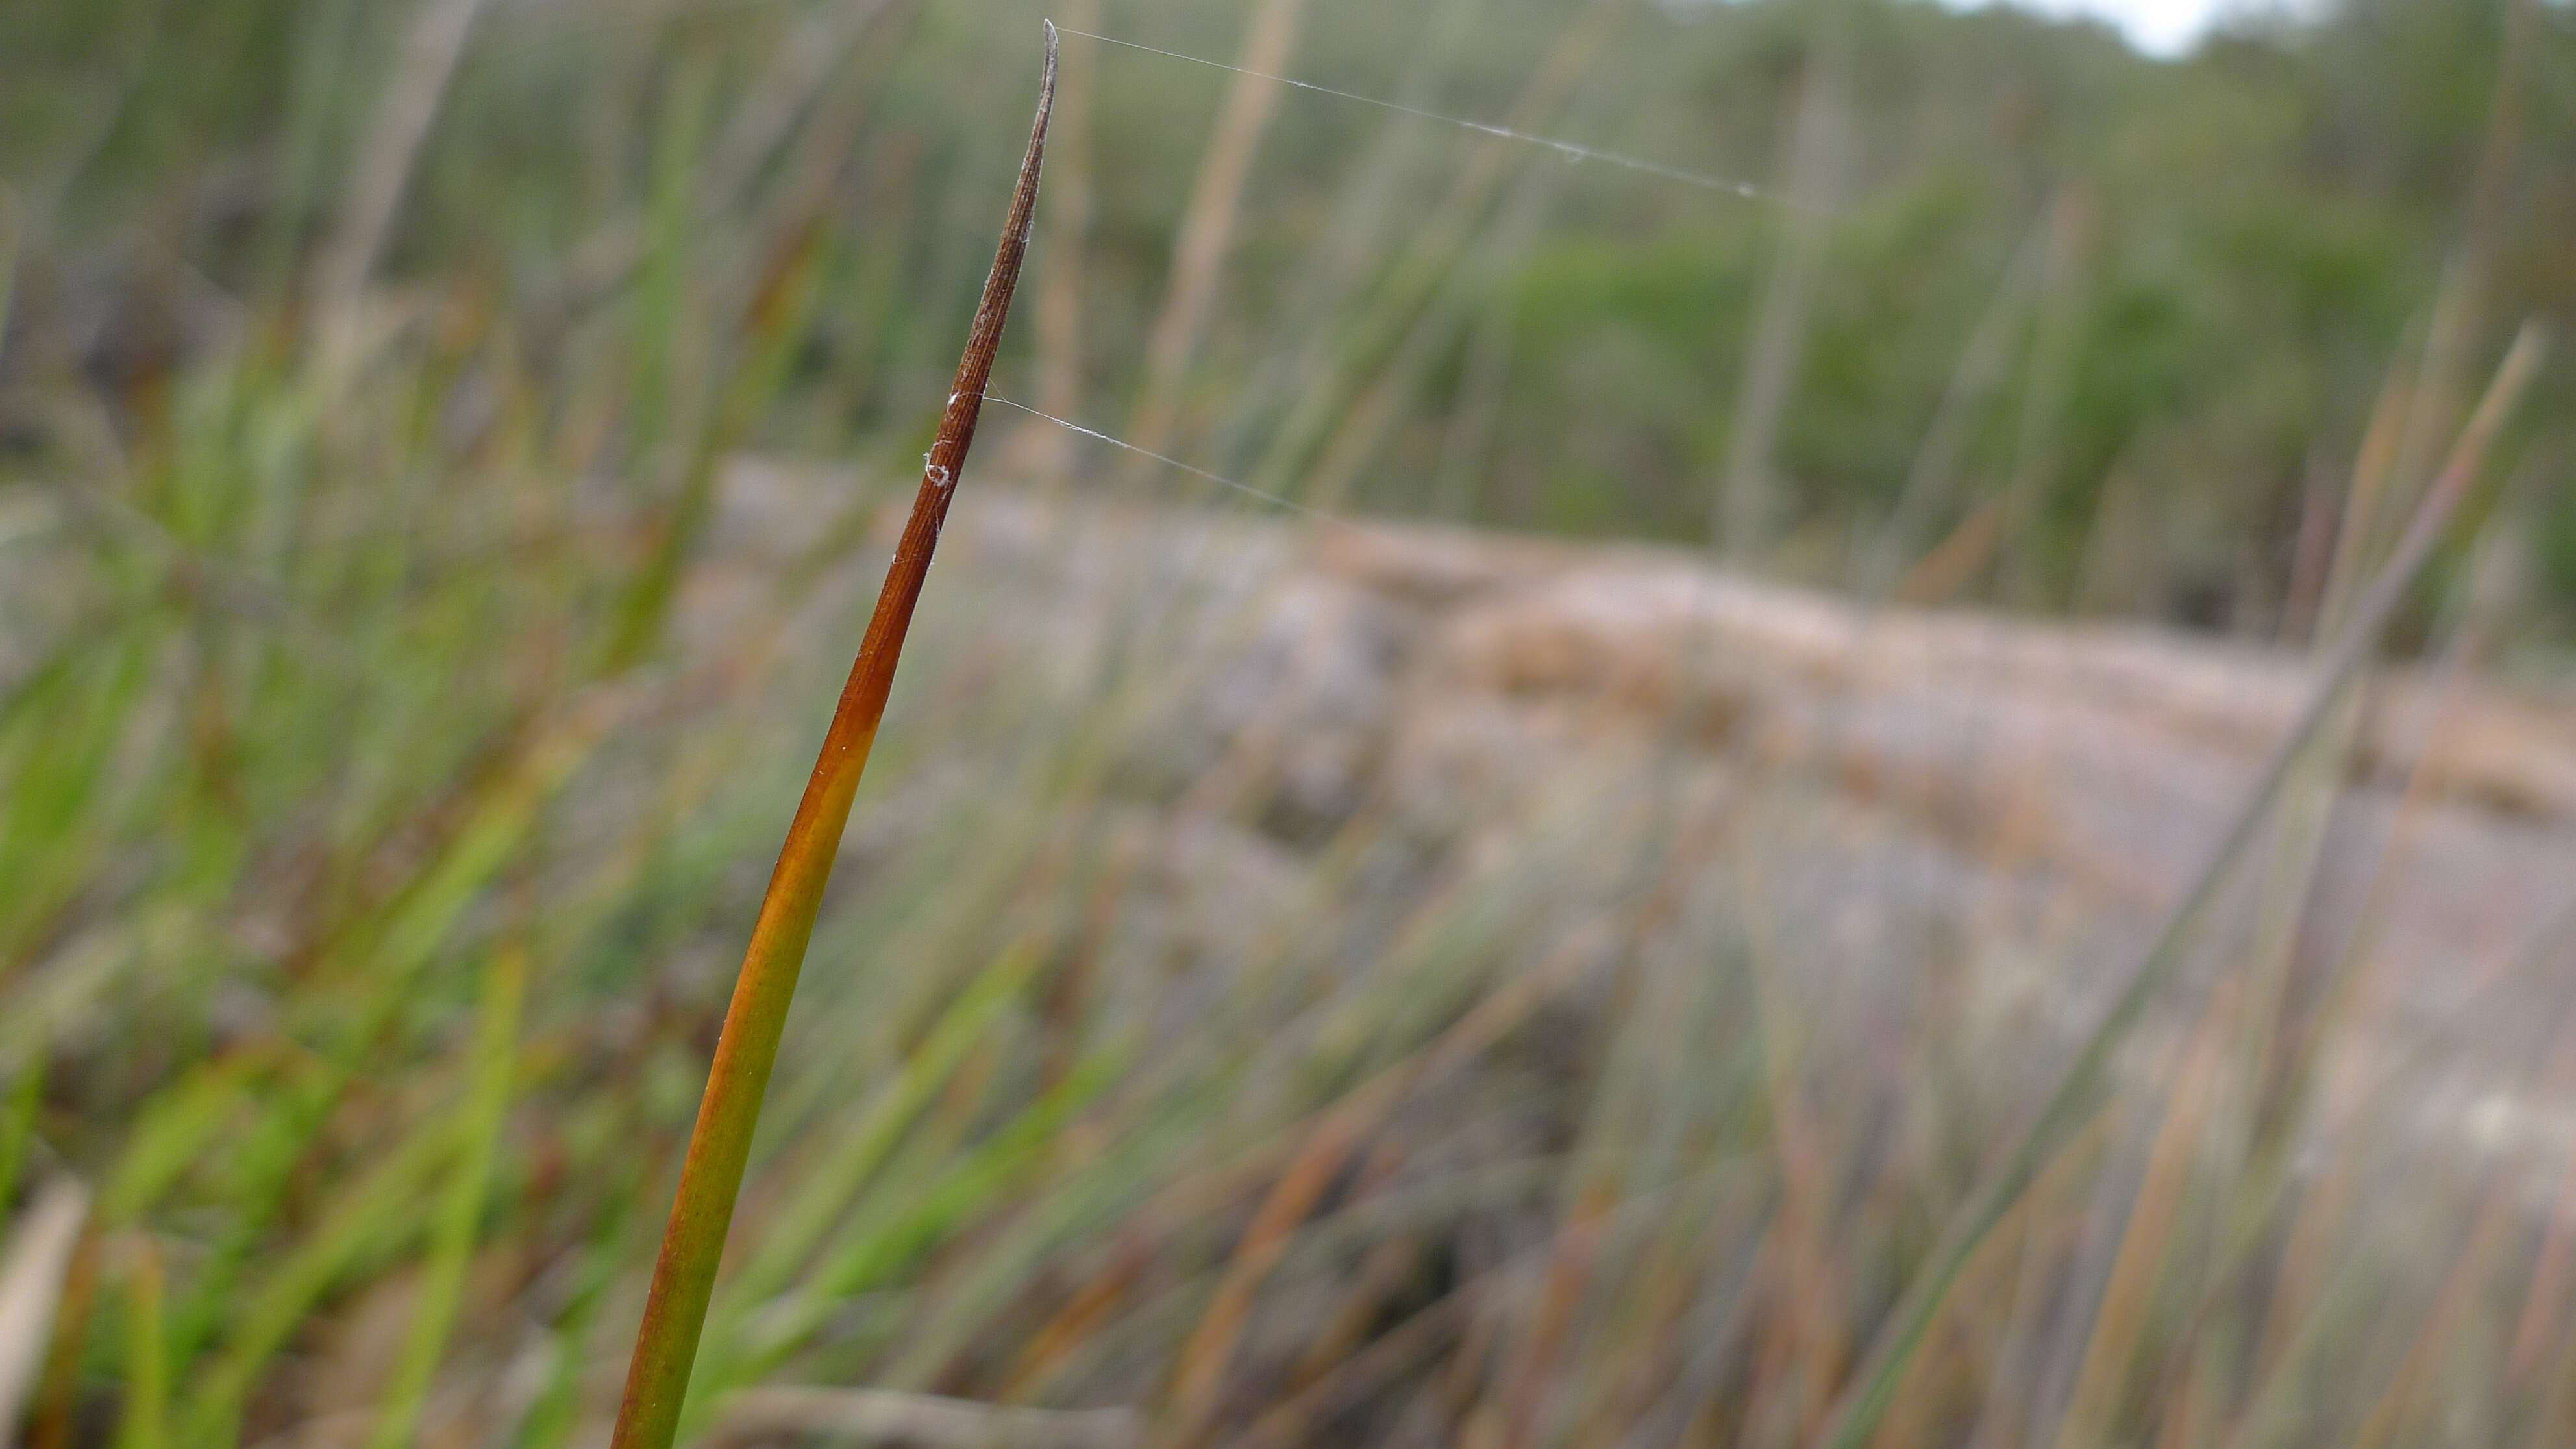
{"x": 375, "y": 847}
{"x": 2198, "y": 269}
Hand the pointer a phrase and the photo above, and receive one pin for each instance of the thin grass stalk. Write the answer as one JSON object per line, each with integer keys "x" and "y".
{"x": 347, "y": 1013}
{"x": 378, "y": 1213}
{"x": 2311, "y": 548}
{"x": 791, "y": 89}
{"x": 2315, "y": 582}
{"x": 667, "y": 303}
{"x": 2046, "y": 394}
{"x": 2418, "y": 1374}
{"x": 806, "y": 1217}
{"x": 1376, "y": 414}
{"x": 452, "y": 1246}
{"x": 1867, "y": 1400}
{"x": 13, "y": 228}
{"x": 2047, "y": 1226}
{"x": 2310, "y": 1290}
{"x": 1819, "y": 144}
{"x": 1330, "y": 278}
{"x": 2259, "y": 1154}
{"x": 2286, "y": 882}
{"x": 2343, "y": 995}
{"x": 2259, "y": 1162}
{"x": 1457, "y": 488}
{"x": 720, "y": 1143}
{"x": 2120, "y": 1322}
{"x": 1805, "y": 1265}
{"x": 1041, "y": 449}
{"x": 1929, "y": 479}
{"x": 1292, "y": 1421}
{"x": 145, "y": 1421}
{"x": 911, "y": 1224}
{"x": 2317, "y": 610}
{"x": 2552, "y": 1420}
{"x": 1382, "y": 1277}
{"x": 418, "y": 82}
{"x": 18, "y": 1123}
{"x": 1207, "y": 227}
{"x": 2332, "y": 1291}
{"x": 555, "y": 1409}
{"x": 801, "y": 65}
{"x": 1961, "y": 555}
{"x": 1201, "y": 1375}
{"x": 1337, "y": 1131}
{"x": 2539, "y": 1324}
{"x": 2459, "y": 314}
{"x": 1199, "y": 1195}
{"x": 2376, "y": 482}
{"x": 1324, "y": 391}
{"x": 774, "y": 324}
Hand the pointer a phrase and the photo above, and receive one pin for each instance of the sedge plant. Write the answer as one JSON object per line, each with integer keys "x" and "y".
{"x": 675, "y": 1307}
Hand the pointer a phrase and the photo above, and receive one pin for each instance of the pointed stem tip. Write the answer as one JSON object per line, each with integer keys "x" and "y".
{"x": 675, "y": 1308}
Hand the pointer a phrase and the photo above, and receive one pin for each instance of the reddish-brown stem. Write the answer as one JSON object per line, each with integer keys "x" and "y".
{"x": 657, "y": 1379}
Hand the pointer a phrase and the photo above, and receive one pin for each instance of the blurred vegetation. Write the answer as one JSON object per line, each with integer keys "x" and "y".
{"x": 2228, "y": 248}
{"x": 373, "y": 858}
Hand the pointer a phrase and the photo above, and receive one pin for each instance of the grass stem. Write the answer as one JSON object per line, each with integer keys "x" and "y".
{"x": 711, "y": 1176}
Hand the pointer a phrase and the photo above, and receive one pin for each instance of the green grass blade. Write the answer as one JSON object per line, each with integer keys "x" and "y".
{"x": 452, "y": 1247}
{"x": 381, "y": 1210}
{"x": 146, "y": 1422}
{"x": 18, "y": 1124}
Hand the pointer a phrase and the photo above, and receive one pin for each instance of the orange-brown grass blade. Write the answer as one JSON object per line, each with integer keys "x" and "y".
{"x": 675, "y": 1310}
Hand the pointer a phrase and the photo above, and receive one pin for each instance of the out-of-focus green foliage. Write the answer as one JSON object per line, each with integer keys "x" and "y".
{"x": 2253, "y": 232}
{"x": 361, "y": 638}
